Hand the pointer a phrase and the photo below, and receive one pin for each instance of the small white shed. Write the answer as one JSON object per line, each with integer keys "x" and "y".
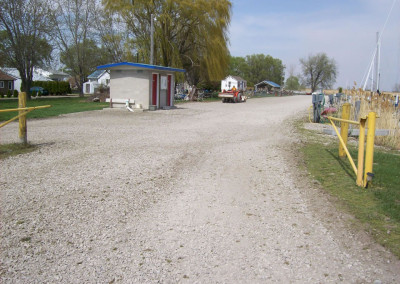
{"x": 233, "y": 81}
{"x": 95, "y": 80}
{"x": 148, "y": 86}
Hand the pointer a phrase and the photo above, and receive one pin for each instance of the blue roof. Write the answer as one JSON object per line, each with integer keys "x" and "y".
{"x": 269, "y": 83}
{"x": 140, "y": 65}
{"x": 96, "y": 74}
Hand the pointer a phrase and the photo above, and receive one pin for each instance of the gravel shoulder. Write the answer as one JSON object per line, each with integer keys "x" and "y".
{"x": 205, "y": 193}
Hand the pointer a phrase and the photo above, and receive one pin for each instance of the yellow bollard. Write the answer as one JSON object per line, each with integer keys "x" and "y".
{"x": 361, "y": 146}
{"x": 344, "y": 128}
{"x": 369, "y": 152}
{"x": 22, "y": 120}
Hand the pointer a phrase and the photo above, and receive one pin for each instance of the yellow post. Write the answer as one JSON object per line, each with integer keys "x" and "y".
{"x": 344, "y": 128}
{"x": 369, "y": 151}
{"x": 361, "y": 147}
{"x": 22, "y": 120}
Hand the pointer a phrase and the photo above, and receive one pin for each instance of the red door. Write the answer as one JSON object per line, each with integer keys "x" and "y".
{"x": 169, "y": 90}
{"x": 154, "y": 90}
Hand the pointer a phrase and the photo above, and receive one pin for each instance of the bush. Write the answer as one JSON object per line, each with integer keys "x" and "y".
{"x": 54, "y": 87}
{"x": 9, "y": 94}
{"x": 15, "y": 94}
{"x": 1, "y": 95}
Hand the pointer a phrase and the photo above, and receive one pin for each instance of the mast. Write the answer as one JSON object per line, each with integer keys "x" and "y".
{"x": 378, "y": 61}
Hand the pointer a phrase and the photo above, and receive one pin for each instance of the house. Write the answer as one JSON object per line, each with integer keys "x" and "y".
{"x": 233, "y": 81}
{"x": 6, "y": 82}
{"x": 95, "y": 80}
{"x": 146, "y": 86}
{"x": 53, "y": 75}
{"x": 267, "y": 85}
{"x": 17, "y": 83}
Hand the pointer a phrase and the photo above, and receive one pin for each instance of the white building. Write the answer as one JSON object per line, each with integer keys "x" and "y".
{"x": 233, "y": 81}
{"x": 17, "y": 83}
{"x": 95, "y": 80}
{"x": 146, "y": 86}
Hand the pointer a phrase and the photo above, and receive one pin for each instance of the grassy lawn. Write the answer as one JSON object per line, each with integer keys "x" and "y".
{"x": 59, "y": 106}
{"x": 377, "y": 207}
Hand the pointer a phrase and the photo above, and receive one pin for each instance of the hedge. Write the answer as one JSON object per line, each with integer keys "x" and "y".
{"x": 54, "y": 87}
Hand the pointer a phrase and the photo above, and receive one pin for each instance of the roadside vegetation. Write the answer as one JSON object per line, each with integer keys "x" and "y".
{"x": 8, "y": 150}
{"x": 59, "y": 106}
{"x": 376, "y": 208}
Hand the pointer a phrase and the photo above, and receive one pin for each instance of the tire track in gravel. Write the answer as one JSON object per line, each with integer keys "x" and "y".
{"x": 205, "y": 193}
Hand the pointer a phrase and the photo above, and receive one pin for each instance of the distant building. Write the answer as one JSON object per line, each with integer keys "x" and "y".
{"x": 95, "y": 80}
{"x": 233, "y": 81}
{"x": 6, "y": 82}
{"x": 267, "y": 86}
{"x": 38, "y": 75}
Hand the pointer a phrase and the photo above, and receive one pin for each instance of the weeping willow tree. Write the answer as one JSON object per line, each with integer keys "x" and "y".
{"x": 189, "y": 34}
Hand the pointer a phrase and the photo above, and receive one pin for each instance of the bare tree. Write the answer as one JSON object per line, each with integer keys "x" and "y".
{"x": 75, "y": 30}
{"x": 24, "y": 26}
{"x": 114, "y": 36}
{"x": 318, "y": 71}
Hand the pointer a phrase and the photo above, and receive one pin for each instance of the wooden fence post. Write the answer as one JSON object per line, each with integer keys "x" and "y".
{"x": 22, "y": 120}
{"x": 344, "y": 128}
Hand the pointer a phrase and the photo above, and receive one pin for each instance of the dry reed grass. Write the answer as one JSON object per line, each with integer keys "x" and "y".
{"x": 383, "y": 105}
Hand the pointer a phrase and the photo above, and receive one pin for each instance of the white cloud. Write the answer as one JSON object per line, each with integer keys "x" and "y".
{"x": 348, "y": 37}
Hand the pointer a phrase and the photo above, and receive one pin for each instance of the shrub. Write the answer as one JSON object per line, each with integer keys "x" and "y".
{"x": 54, "y": 87}
{"x": 15, "y": 94}
{"x": 1, "y": 95}
{"x": 9, "y": 94}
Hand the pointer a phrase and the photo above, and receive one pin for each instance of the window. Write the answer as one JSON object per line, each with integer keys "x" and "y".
{"x": 10, "y": 85}
{"x": 1, "y": 84}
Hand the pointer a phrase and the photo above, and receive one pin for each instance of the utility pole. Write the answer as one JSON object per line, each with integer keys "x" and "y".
{"x": 151, "y": 39}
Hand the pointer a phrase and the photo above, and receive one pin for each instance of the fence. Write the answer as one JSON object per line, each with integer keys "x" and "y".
{"x": 23, "y": 111}
{"x": 363, "y": 177}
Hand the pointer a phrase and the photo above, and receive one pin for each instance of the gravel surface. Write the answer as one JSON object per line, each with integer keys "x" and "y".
{"x": 205, "y": 193}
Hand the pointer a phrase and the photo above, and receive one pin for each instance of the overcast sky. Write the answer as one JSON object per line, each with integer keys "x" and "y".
{"x": 344, "y": 29}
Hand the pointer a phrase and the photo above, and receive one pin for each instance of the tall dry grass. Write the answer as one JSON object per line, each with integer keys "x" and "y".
{"x": 383, "y": 106}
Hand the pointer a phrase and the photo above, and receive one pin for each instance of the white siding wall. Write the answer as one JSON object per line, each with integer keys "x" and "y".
{"x": 131, "y": 84}
{"x": 228, "y": 83}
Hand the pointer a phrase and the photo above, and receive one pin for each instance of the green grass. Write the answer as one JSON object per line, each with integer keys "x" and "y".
{"x": 377, "y": 207}
{"x": 59, "y": 106}
{"x": 8, "y": 150}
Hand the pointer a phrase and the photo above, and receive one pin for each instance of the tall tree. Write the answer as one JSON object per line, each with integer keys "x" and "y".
{"x": 238, "y": 67}
{"x": 75, "y": 33}
{"x": 114, "y": 36}
{"x": 292, "y": 83}
{"x": 24, "y": 26}
{"x": 257, "y": 67}
{"x": 191, "y": 34}
{"x": 319, "y": 71}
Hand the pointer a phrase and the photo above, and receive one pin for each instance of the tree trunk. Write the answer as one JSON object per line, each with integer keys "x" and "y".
{"x": 193, "y": 93}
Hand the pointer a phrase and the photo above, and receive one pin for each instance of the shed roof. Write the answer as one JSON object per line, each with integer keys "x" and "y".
{"x": 97, "y": 74}
{"x": 130, "y": 65}
{"x": 6, "y": 77}
{"x": 275, "y": 85}
{"x": 237, "y": 78}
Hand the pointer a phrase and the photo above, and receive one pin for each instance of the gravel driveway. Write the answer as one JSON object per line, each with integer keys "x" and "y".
{"x": 205, "y": 193}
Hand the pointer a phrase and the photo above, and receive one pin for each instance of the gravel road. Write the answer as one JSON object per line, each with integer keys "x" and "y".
{"x": 205, "y": 193}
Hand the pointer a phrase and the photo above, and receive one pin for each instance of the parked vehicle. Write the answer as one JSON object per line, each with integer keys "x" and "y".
{"x": 38, "y": 91}
{"x": 232, "y": 96}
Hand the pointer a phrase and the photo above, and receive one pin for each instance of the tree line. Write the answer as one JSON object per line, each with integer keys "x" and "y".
{"x": 83, "y": 34}
{"x": 86, "y": 33}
